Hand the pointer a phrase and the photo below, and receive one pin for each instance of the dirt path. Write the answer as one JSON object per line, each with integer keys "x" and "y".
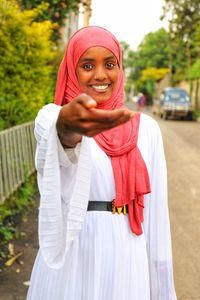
{"x": 14, "y": 279}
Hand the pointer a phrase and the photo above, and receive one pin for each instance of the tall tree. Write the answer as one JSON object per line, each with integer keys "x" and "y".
{"x": 152, "y": 58}
{"x": 152, "y": 52}
{"x": 154, "y": 49}
{"x": 183, "y": 17}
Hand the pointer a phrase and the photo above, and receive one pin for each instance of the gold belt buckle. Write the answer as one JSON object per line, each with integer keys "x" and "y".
{"x": 119, "y": 210}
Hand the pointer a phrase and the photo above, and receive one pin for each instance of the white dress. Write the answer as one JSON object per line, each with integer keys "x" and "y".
{"x": 105, "y": 260}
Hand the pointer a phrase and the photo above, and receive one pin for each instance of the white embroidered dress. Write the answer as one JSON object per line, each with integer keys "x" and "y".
{"x": 94, "y": 255}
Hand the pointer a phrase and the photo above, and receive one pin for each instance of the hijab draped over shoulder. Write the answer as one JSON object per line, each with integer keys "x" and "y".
{"x": 120, "y": 143}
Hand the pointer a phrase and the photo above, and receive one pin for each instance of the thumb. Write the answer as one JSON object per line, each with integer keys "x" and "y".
{"x": 87, "y": 101}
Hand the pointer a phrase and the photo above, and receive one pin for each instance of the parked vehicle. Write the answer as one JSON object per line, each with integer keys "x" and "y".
{"x": 173, "y": 102}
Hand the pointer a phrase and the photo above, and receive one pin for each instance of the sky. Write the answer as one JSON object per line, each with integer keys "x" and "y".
{"x": 128, "y": 20}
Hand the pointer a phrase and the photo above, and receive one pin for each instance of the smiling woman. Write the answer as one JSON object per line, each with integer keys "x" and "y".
{"x": 95, "y": 158}
{"x": 98, "y": 73}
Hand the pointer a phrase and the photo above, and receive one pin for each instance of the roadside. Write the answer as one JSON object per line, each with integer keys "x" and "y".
{"x": 14, "y": 280}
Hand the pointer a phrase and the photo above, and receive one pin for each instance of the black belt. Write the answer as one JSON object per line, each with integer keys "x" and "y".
{"x": 106, "y": 206}
{"x": 99, "y": 205}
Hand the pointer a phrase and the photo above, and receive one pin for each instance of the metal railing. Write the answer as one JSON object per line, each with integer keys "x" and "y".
{"x": 17, "y": 151}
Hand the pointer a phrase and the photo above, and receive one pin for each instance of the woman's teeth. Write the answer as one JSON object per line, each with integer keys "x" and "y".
{"x": 100, "y": 87}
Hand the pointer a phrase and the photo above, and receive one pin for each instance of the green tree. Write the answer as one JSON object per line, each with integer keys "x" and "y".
{"x": 154, "y": 50}
{"x": 153, "y": 54}
{"x": 125, "y": 54}
{"x": 183, "y": 17}
{"x": 26, "y": 53}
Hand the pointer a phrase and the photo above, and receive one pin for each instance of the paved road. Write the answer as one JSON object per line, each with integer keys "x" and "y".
{"x": 182, "y": 147}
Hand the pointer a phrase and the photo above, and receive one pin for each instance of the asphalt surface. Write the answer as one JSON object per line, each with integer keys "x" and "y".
{"x": 182, "y": 149}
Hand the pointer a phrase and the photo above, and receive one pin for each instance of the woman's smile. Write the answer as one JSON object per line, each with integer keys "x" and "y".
{"x": 97, "y": 72}
{"x": 100, "y": 88}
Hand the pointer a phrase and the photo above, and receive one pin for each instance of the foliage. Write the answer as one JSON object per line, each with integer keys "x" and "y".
{"x": 150, "y": 62}
{"x": 154, "y": 73}
{"x": 197, "y": 115}
{"x": 26, "y": 53}
{"x": 125, "y": 54}
{"x": 183, "y": 15}
{"x": 154, "y": 50}
{"x": 127, "y": 62}
{"x": 184, "y": 18}
{"x": 149, "y": 76}
{"x": 56, "y": 11}
{"x": 196, "y": 38}
{"x": 17, "y": 205}
{"x": 194, "y": 71}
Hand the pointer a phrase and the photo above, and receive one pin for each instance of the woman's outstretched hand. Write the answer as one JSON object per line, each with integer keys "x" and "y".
{"x": 80, "y": 117}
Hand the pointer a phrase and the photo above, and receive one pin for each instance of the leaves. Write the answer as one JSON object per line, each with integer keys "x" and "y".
{"x": 150, "y": 62}
{"x": 194, "y": 71}
{"x": 26, "y": 53}
{"x": 55, "y": 11}
{"x": 11, "y": 209}
{"x": 9, "y": 262}
{"x": 184, "y": 20}
{"x": 154, "y": 74}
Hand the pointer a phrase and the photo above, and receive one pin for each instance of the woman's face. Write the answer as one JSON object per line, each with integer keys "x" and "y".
{"x": 97, "y": 72}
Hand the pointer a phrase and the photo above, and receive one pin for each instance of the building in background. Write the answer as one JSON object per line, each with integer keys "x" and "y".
{"x": 76, "y": 20}
{"x": 71, "y": 25}
{"x": 87, "y": 13}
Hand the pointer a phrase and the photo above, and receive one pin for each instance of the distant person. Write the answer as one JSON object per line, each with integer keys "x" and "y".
{"x": 104, "y": 230}
{"x": 141, "y": 102}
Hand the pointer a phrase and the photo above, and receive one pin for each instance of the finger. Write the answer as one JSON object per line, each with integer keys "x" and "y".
{"x": 86, "y": 101}
{"x": 93, "y": 128}
{"x": 104, "y": 116}
{"x": 119, "y": 120}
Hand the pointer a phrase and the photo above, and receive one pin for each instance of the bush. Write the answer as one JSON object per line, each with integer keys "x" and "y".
{"x": 15, "y": 207}
{"x": 26, "y": 53}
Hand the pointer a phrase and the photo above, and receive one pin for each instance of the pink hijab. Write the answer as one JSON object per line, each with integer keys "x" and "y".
{"x": 120, "y": 143}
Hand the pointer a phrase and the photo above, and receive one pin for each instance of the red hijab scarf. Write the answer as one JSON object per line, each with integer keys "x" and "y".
{"x": 120, "y": 143}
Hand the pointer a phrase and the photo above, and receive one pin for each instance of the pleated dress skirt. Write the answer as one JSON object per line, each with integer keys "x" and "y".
{"x": 106, "y": 262}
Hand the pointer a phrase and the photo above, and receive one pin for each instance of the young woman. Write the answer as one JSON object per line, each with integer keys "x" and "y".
{"x": 104, "y": 229}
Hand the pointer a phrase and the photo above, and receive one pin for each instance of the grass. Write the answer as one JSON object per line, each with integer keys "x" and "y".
{"x": 12, "y": 211}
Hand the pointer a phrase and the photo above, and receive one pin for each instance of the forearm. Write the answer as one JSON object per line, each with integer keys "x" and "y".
{"x": 68, "y": 138}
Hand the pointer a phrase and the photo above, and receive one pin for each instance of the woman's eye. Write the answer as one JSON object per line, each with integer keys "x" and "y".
{"x": 110, "y": 65}
{"x": 87, "y": 67}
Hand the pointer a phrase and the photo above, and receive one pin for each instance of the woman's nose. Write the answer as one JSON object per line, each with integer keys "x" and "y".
{"x": 100, "y": 74}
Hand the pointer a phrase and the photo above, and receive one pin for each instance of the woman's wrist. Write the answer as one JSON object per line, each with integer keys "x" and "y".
{"x": 69, "y": 140}
{"x": 67, "y": 137}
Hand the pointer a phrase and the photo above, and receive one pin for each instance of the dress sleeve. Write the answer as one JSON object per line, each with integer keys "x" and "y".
{"x": 156, "y": 224}
{"x": 58, "y": 228}
{"x": 45, "y": 122}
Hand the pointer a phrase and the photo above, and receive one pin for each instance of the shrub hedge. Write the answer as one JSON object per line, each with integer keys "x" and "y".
{"x": 26, "y": 70}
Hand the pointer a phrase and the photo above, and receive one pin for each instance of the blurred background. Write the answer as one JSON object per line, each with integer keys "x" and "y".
{"x": 160, "y": 40}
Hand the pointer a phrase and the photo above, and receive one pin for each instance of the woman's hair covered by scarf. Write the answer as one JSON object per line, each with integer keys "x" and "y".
{"x": 67, "y": 86}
